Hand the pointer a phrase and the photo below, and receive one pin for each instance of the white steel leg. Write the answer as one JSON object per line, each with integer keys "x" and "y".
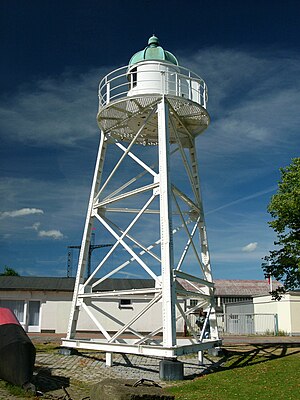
{"x": 167, "y": 261}
{"x": 204, "y": 245}
{"x": 86, "y": 238}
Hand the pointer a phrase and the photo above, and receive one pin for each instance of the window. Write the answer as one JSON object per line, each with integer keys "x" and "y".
{"x": 132, "y": 77}
{"x": 16, "y": 306}
{"x": 193, "y": 303}
{"x": 125, "y": 303}
{"x": 234, "y": 299}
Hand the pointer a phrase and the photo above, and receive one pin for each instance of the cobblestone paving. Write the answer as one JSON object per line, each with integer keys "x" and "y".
{"x": 79, "y": 372}
{"x": 90, "y": 367}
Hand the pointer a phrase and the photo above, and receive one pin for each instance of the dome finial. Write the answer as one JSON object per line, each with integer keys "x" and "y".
{"x": 153, "y": 41}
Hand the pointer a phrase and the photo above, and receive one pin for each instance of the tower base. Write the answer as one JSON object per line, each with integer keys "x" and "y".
{"x": 171, "y": 370}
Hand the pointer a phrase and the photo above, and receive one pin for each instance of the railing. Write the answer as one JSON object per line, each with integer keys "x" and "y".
{"x": 243, "y": 324}
{"x": 152, "y": 78}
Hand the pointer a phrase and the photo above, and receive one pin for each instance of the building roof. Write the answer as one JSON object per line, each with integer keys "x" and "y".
{"x": 36, "y": 283}
{"x": 153, "y": 52}
{"x": 236, "y": 287}
{"x": 223, "y": 287}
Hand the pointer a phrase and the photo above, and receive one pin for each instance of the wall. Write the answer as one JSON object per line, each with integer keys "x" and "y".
{"x": 239, "y": 308}
{"x": 54, "y": 308}
{"x": 265, "y": 304}
{"x": 108, "y": 313}
{"x": 55, "y": 311}
{"x": 294, "y": 298}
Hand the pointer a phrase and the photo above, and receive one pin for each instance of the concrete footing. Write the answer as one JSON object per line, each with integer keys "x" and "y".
{"x": 215, "y": 351}
{"x": 171, "y": 370}
{"x": 67, "y": 351}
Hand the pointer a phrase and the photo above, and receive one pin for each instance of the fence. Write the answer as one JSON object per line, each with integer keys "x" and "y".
{"x": 247, "y": 324}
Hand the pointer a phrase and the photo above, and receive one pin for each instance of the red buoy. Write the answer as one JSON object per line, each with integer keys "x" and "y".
{"x": 7, "y": 317}
{"x": 16, "y": 349}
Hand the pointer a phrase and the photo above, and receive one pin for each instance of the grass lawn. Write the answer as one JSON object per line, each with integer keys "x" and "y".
{"x": 255, "y": 373}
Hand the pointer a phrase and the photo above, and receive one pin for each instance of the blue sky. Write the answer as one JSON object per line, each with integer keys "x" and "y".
{"x": 54, "y": 54}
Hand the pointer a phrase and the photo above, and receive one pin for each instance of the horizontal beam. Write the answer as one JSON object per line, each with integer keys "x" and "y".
{"x": 131, "y": 210}
{"x": 186, "y": 347}
{"x": 120, "y": 293}
{"x": 136, "y": 210}
{"x": 190, "y": 294}
{"x": 192, "y": 278}
{"x": 127, "y": 194}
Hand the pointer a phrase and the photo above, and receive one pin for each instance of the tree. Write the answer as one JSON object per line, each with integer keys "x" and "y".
{"x": 284, "y": 263}
{"x": 9, "y": 272}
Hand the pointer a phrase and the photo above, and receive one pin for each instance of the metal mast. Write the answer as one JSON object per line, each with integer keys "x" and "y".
{"x": 146, "y": 198}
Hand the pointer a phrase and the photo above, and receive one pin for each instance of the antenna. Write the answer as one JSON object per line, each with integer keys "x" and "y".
{"x": 92, "y": 247}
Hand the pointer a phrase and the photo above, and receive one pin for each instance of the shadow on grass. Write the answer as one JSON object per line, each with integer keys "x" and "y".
{"x": 240, "y": 356}
{"x": 244, "y": 356}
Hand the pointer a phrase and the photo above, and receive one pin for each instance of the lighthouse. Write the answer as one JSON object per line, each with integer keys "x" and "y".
{"x": 146, "y": 200}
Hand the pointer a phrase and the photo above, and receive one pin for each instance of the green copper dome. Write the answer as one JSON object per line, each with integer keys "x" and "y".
{"x": 153, "y": 52}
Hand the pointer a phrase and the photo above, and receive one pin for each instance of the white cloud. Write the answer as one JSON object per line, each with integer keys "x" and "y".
{"x": 250, "y": 247}
{"x": 36, "y": 226}
{"x": 55, "y": 111}
{"x": 54, "y": 234}
{"x": 64, "y": 201}
{"x": 253, "y": 98}
{"x": 243, "y": 199}
{"x": 20, "y": 213}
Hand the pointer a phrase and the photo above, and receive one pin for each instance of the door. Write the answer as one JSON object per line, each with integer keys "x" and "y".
{"x": 34, "y": 316}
